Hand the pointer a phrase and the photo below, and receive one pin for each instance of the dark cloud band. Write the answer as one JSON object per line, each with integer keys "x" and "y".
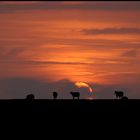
{"x": 6, "y": 7}
{"x": 112, "y": 31}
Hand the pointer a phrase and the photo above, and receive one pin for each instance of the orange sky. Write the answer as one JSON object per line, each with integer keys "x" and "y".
{"x": 84, "y": 41}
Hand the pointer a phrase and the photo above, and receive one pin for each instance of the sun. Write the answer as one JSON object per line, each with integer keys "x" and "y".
{"x": 83, "y": 84}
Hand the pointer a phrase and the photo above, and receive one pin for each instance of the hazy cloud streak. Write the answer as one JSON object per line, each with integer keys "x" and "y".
{"x": 6, "y": 7}
{"x": 112, "y": 31}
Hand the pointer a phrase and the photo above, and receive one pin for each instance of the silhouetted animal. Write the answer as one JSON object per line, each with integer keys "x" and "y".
{"x": 119, "y": 94}
{"x": 75, "y": 94}
{"x": 124, "y": 98}
{"x": 30, "y": 97}
{"x": 55, "y": 94}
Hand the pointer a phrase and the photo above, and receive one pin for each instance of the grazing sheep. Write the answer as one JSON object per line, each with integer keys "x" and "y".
{"x": 119, "y": 94}
{"x": 55, "y": 94}
{"x": 124, "y": 98}
{"x": 75, "y": 94}
{"x": 30, "y": 97}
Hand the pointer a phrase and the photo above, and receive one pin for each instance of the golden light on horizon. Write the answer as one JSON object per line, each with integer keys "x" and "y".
{"x": 83, "y": 84}
{"x": 90, "y": 98}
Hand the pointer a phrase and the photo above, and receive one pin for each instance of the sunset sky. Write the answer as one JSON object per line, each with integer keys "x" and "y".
{"x": 47, "y": 46}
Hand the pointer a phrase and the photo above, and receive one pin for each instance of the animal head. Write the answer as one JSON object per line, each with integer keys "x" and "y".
{"x": 116, "y": 92}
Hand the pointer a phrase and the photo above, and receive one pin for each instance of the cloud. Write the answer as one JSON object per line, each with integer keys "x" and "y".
{"x": 111, "y": 31}
{"x": 94, "y": 60}
{"x": 91, "y": 44}
{"x": 43, "y": 62}
{"x": 130, "y": 53}
{"x": 6, "y": 7}
{"x": 19, "y": 87}
{"x": 103, "y": 91}
{"x": 10, "y": 53}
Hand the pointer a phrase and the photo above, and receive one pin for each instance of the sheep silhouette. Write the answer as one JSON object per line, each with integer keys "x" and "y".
{"x": 75, "y": 95}
{"x": 30, "y": 97}
{"x": 124, "y": 98}
{"x": 119, "y": 94}
{"x": 55, "y": 94}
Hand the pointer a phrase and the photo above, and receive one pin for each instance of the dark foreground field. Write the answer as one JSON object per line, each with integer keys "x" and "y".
{"x": 90, "y": 107}
{"x": 73, "y": 112}
{"x": 70, "y": 117}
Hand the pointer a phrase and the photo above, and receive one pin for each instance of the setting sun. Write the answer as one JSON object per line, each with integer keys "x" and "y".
{"x": 83, "y": 84}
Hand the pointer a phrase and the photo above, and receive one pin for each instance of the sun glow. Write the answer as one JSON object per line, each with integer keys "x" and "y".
{"x": 83, "y": 84}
